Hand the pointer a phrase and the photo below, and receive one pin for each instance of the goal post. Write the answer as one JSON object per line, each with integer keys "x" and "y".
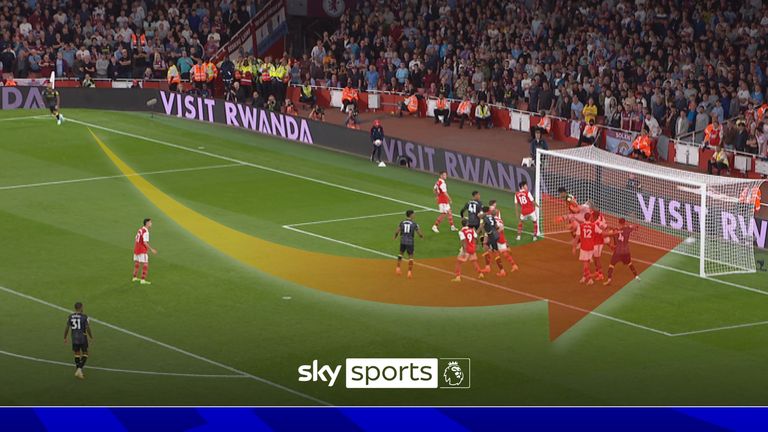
{"x": 708, "y": 218}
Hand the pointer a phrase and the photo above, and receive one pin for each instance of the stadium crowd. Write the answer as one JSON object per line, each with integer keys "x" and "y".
{"x": 668, "y": 66}
{"x": 114, "y": 39}
{"x": 672, "y": 66}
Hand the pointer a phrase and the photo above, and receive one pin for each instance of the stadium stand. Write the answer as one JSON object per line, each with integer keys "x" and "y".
{"x": 671, "y": 66}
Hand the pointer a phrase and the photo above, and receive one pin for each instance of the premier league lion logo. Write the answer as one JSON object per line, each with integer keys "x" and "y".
{"x": 453, "y": 375}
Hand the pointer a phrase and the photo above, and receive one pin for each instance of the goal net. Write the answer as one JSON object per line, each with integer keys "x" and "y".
{"x": 709, "y": 218}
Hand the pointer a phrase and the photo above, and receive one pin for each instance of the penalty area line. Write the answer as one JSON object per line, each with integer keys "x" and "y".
{"x": 716, "y": 329}
{"x": 344, "y": 219}
{"x": 491, "y": 284}
{"x": 129, "y": 371}
{"x": 172, "y": 348}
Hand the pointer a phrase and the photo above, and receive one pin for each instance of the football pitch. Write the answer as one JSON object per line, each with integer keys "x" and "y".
{"x": 273, "y": 254}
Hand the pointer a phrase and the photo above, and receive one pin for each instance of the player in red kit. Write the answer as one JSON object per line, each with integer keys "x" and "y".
{"x": 503, "y": 247}
{"x": 527, "y": 209}
{"x": 585, "y": 239}
{"x": 443, "y": 202}
{"x": 600, "y": 222}
{"x": 140, "y": 248}
{"x": 621, "y": 251}
{"x": 468, "y": 251}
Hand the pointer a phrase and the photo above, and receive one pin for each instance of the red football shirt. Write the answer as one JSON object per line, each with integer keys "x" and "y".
{"x": 140, "y": 244}
{"x": 468, "y": 235}
{"x": 586, "y": 235}
{"x": 441, "y": 190}
{"x": 525, "y": 199}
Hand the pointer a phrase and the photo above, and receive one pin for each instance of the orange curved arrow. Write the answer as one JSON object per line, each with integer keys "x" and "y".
{"x": 374, "y": 279}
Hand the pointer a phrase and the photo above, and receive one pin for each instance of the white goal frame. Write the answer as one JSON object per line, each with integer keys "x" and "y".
{"x": 664, "y": 174}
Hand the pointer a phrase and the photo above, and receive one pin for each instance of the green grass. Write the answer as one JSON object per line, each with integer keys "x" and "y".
{"x": 71, "y": 241}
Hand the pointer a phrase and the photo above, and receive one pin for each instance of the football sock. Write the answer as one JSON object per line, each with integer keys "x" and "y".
{"x": 439, "y": 219}
{"x": 610, "y": 271}
{"x": 598, "y": 266}
{"x": 508, "y": 257}
{"x": 410, "y": 264}
{"x": 83, "y": 359}
{"x": 58, "y": 116}
{"x": 587, "y": 274}
{"x": 477, "y": 266}
{"x": 77, "y": 361}
{"x": 519, "y": 228}
{"x": 450, "y": 218}
{"x": 632, "y": 267}
{"x": 487, "y": 257}
{"x": 535, "y": 229}
{"x": 136, "y": 266}
{"x": 144, "y": 271}
{"x": 458, "y": 268}
{"x": 497, "y": 258}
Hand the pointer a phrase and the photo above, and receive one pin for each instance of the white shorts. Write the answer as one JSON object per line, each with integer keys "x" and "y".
{"x": 531, "y": 217}
{"x": 597, "y": 252}
{"x": 586, "y": 255}
{"x": 142, "y": 258}
{"x": 444, "y": 208}
{"x": 502, "y": 247}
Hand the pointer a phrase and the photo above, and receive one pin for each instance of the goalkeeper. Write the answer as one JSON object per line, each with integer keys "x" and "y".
{"x": 52, "y": 100}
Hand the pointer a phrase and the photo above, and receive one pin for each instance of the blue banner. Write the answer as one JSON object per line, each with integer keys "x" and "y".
{"x": 383, "y": 419}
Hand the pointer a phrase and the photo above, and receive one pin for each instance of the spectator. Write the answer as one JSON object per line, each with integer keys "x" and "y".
{"x": 537, "y": 143}
{"x": 410, "y": 105}
{"x": 702, "y": 121}
{"x": 173, "y": 77}
{"x": 577, "y": 109}
{"x": 307, "y": 95}
{"x": 349, "y": 97}
{"x": 740, "y": 143}
{"x": 614, "y": 120}
{"x": 713, "y": 134}
{"x": 588, "y": 134}
{"x": 88, "y": 82}
{"x": 483, "y": 115}
{"x": 589, "y": 112}
{"x": 464, "y": 111}
{"x": 652, "y": 125}
{"x": 442, "y": 110}
{"x": 641, "y": 146}
{"x": 681, "y": 124}
{"x": 718, "y": 161}
{"x": 544, "y": 125}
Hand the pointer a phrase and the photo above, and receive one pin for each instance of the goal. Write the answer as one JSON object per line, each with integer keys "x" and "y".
{"x": 708, "y": 218}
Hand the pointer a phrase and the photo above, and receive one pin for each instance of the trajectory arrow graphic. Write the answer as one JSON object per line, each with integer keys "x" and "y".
{"x": 548, "y": 270}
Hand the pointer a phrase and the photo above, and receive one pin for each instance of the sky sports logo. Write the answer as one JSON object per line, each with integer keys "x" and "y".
{"x": 392, "y": 373}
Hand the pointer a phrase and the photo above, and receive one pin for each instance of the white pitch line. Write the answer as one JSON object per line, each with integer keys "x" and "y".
{"x": 362, "y": 192}
{"x": 23, "y": 118}
{"x": 89, "y": 179}
{"x": 715, "y": 329}
{"x": 345, "y": 219}
{"x": 491, "y": 284}
{"x": 172, "y": 348}
{"x": 130, "y": 371}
